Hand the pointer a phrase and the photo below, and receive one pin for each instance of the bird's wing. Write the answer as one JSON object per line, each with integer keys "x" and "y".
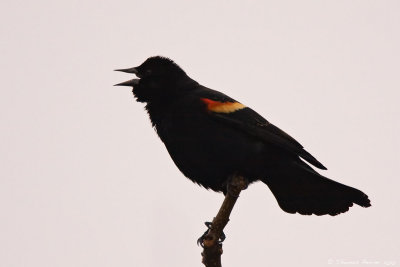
{"x": 227, "y": 110}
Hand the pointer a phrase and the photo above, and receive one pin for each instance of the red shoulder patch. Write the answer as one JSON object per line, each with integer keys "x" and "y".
{"x": 222, "y": 107}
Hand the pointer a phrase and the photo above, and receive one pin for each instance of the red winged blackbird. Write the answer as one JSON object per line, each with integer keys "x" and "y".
{"x": 211, "y": 136}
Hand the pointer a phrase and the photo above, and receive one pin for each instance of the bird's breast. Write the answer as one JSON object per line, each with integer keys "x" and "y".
{"x": 204, "y": 149}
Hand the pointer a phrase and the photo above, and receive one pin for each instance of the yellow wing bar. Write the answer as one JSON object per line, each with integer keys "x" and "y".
{"x": 222, "y": 107}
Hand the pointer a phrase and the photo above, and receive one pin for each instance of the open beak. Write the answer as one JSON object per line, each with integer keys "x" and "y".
{"x": 132, "y": 82}
{"x": 130, "y": 70}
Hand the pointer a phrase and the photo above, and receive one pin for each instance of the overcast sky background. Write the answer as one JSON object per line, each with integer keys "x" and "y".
{"x": 85, "y": 181}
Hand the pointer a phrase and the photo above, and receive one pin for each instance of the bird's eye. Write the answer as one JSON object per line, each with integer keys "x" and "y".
{"x": 148, "y": 71}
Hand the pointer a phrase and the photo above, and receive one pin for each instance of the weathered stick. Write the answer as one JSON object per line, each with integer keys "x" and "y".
{"x": 212, "y": 247}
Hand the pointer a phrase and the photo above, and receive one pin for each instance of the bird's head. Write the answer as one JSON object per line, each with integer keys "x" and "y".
{"x": 157, "y": 77}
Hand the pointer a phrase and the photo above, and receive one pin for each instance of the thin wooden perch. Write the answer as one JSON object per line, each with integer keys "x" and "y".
{"x": 211, "y": 241}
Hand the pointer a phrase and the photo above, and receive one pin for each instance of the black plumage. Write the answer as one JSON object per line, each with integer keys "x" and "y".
{"x": 211, "y": 136}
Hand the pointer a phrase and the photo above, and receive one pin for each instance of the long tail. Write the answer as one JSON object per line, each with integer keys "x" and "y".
{"x": 298, "y": 188}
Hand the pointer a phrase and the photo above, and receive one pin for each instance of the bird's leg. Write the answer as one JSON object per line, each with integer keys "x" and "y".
{"x": 211, "y": 240}
{"x": 234, "y": 185}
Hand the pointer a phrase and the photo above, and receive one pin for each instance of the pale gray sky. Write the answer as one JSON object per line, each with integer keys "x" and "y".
{"x": 85, "y": 181}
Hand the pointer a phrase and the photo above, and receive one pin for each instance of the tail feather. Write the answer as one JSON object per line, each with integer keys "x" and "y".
{"x": 298, "y": 188}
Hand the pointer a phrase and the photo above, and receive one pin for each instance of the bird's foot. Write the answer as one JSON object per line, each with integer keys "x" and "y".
{"x": 201, "y": 239}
